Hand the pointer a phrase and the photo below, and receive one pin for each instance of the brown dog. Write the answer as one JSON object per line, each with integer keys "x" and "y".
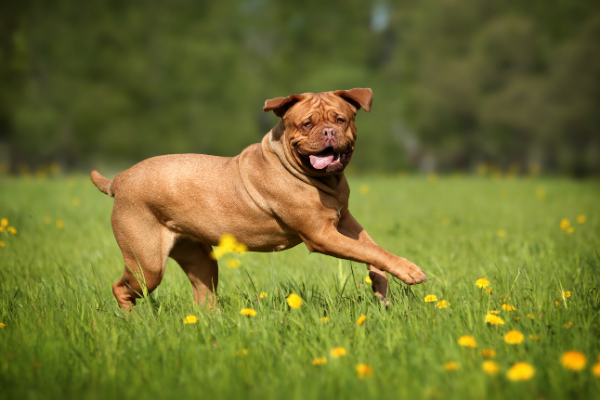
{"x": 288, "y": 189}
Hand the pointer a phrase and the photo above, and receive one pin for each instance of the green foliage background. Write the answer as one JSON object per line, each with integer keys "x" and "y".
{"x": 456, "y": 82}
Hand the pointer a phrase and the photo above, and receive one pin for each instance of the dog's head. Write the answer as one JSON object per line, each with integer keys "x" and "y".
{"x": 319, "y": 128}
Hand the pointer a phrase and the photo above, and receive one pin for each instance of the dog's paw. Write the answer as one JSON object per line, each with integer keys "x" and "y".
{"x": 408, "y": 272}
{"x": 379, "y": 283}
{"x": 382, "y": 299}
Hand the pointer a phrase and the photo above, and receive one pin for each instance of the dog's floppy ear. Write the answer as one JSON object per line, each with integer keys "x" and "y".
{"x": 280, "y": 105}
{"x": 357, "y": 97}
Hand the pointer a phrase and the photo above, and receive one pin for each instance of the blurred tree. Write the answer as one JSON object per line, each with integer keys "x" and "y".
{"x": 13, "y": 71}
{"x": 456, "y": 82}
{"x": 501, "y": 83}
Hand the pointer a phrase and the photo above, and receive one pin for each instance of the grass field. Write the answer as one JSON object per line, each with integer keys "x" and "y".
{"x": 65, "y": 338}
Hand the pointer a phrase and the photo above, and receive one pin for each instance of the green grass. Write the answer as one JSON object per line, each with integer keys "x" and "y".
{"x": 65, "y": 337}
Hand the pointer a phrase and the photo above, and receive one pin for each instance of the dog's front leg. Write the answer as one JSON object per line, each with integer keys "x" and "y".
{"x": 328, "y": 240}
{"x": 348, "y": 226}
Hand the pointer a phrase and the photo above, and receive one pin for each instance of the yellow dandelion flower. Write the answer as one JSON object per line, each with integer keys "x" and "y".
{"x": 442, "y": 304}
{"x": 361, "y": 319}
{"x": 368, "y": 280}
{"x": 556, "y": 303}
{"x": 513, "y": 337}
{"x": 565, "y": 224}
{"x": 489, "y": 290}
{"x": 324, "y": 319}
{"x": 508, "y": 307}
{"x": 240, "y": 248}
{"x": 228, "y": 244}
{"x": 430, "y": 298}
{"x": 451, "y": 366}
{"x": 47, "y": 219}
{"x": 248, "y": 312}
{"x": 337, "y": 352}
{"x": 516, "y": 318}
{"x": 573, "y": 360}
{"x": 488, "y": 353}
{"x": 218, "y": 252}
{"x": 490, "y": 367}
{"x": 566, "y": 294}
{"x": 75, "y": 201}
{"x": 241, "y": 353}
{"x": 570, "y": 229}
{"x": 535, "y": 337}
{"x": 233, "y": 263}
{"x": 2, "y": 325}
{"x": 364, "y": 189}
{"x": 60, "y": 223}
{"x": 294, "y": 301}
{"x": 521, "y": 371}
{"x": 1, "y": 229}
{"x": 12, "y": 230}
{"x": 262, "y": 295}
{"x": 4, "y": 223}
{"x": 1, "y": 244}
{"x": 319, "y": 361}
{"x": 568, "y": 325}
{"x": 190, "y": 319}
{"x": 501, "y": 232}
{"x": 494, "y": 312}
{"x": 581, "y": 219}
{"x": 482, "y": 283}
{"x": 596, "y": 370}
{"x": 467, "y": 341}
{"x": 364, "y": 370}
{"x": 531, "y": 316}
{"x": 494, "y": 319}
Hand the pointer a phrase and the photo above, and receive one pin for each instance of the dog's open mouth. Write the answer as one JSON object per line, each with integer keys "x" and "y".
{"x": 329, "y": 159}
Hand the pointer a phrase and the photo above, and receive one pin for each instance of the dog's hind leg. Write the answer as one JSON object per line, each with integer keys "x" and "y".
{"x": 202, "y": 271}
{"x": 145, "y": 245}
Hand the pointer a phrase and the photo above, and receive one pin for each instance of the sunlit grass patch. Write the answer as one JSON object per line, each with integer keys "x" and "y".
{"x": 298, "y": 326}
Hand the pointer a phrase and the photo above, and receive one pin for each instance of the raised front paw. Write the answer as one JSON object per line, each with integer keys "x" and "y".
{"x": 408, "y": 272}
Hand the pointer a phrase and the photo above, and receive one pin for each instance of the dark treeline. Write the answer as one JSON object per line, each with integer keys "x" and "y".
{"x": 456, "y": 82}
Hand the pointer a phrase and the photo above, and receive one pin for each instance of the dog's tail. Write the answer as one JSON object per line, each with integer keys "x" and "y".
{"x": 103, "y": 184}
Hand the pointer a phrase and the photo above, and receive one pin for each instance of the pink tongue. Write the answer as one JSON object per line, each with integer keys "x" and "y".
{"x": 321, "y": 162}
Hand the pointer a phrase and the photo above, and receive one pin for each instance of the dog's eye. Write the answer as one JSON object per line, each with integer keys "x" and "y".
{"x": 341, "y": 120}
{"x": 306, "y": 124}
